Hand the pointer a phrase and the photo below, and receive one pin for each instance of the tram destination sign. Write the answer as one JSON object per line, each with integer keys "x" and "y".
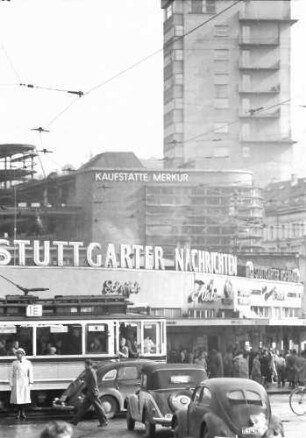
{"x": 126, "y": 256}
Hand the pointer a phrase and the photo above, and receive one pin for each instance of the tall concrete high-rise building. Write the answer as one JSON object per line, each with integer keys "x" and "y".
{"x": 227, "y": 85}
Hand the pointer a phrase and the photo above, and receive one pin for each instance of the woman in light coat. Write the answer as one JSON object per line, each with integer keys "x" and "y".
{"x": 21, "y": 379}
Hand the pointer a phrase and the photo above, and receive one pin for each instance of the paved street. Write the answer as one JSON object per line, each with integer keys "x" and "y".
{"x": 294, "y": 426}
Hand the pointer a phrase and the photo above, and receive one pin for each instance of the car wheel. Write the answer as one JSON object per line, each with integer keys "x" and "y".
{"x": 109, "y": 405}
{"x": 150, "y": 427}
{"x": 130, "y": 422}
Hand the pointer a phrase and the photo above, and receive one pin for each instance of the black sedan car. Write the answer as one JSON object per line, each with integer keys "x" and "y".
{"x": 116, "y": 380}
{"x": 164, "y": 389}
{"x": 228, "y": 407}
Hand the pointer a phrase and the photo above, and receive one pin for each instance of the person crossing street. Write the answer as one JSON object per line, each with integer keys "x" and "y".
{"x": 91, "y": 397}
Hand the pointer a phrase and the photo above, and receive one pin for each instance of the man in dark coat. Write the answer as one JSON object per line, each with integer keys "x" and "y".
{"x": 91, "y": 397}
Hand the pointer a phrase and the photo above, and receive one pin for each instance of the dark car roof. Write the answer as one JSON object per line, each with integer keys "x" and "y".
{"x": 223, "y": 384}
{"x": 152, "y": 367}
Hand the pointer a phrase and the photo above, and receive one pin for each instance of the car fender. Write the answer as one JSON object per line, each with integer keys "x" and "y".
{"x": 179, "y": 420}
{"x": 216, "y": 425}
{"x": 113, "y": 392}
{"x": 150, "y": 406}
{"x": 133, "y": 403}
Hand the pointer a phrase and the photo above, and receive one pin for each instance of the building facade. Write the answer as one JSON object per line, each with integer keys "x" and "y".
{"x": 227, "y": 85}
{"x": 202, "y": 309}
{"x": 104, "y": 201}
{"x": 285, "y": 220}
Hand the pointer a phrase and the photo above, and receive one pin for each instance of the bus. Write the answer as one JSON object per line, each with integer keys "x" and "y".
{"x": 59, "y": 333}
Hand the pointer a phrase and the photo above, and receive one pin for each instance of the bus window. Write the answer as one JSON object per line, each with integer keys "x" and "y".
{"x": 152, "y": 338}
{"x": 13, "y": 337}
{"x": 131, "y": 332}
{"x": 97, "y": 338}
{"x": 65, "y": 339}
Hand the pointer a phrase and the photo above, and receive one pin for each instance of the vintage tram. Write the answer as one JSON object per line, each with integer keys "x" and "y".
{"x": 58, "y": 334}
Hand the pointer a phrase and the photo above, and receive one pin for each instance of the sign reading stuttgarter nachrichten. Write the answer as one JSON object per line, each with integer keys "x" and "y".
{"x": 116, "y": 256}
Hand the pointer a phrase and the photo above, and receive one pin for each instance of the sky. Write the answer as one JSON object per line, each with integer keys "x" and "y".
{"x": 92, "y": 46}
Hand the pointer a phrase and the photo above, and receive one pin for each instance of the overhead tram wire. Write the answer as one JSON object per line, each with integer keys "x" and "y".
{"x": 39, "y": 129}
{"x": 10, "y": 63}
{"x": 20, "y": 80}
{"x": 141, "y": 61}
{"x": 39, "y": 87}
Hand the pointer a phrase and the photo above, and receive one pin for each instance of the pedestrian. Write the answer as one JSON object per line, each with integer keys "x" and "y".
{"x": 21, "y": 379}
{"x": 201, "y": 360}
{"x": 267, "y": 367}
{"x": 256, "y": 368}
{"x": 300, "y": 367}
{"x": 56, "y": 429}
{"x": 215, "y": 364}
{"x": 291, "y": 368}
{"x": 91, "y": 396}
{"x": 228, "y": 362}
{"x": 280, "y": 364}
{"x": 240, "y": 365}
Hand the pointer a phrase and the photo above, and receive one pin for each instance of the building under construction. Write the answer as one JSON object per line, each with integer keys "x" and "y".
{"x": 104, "y": 201}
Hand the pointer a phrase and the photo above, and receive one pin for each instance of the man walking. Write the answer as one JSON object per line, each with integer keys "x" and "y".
{"x": 91, "y": 397}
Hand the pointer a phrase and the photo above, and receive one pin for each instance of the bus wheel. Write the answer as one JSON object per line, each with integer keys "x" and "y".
{"x": 110, "y": 405}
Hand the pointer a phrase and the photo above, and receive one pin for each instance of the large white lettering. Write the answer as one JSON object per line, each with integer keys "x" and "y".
{"x": 204, "y": 261}
{"x": 90, "y": 250}
{"x": 5, "y": 255}
{"x": 110, "y": 258}
{"x": 46, "y": 251}
{"x": 124, "y": 256}
{"x": 21, "y": 245}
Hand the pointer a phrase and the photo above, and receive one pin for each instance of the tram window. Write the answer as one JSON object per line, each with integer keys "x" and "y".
{"x": 65, "y": 339}
{"x": 13, "y": 337}
{"x": 131, "y": 333}
{"x": 152, "y": 338}
{"x": 97, "y": 339}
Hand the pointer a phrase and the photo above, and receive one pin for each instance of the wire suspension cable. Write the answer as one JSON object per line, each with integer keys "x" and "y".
{"x": 141, "y": 61}
{"x": 10, "y": 62}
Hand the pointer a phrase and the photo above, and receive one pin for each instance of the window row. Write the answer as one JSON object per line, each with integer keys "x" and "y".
{"x": 276, "y": 312}
{"x": 78, "y": 339}
{"x": 285, "y": 231}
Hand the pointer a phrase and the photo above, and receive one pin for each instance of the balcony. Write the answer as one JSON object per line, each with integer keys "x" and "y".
{"x": 264, "y": 139}
{"x": 248, "y": 17}
{"x": 263, "y": 114}
{"x": 243, "y": 65}
{"x": 275, "y": 89}
{"x": 258, "y": 41}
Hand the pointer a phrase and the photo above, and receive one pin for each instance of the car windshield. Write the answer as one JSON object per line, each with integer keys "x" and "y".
{"x": 176, "y": 378}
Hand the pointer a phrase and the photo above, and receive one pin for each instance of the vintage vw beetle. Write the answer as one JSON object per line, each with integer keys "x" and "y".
{"x": 164, "y": 389}
{"x": 227, "y": 407}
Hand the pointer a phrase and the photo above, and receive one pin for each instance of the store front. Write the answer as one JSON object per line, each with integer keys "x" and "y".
{"x": 204, "y": 301}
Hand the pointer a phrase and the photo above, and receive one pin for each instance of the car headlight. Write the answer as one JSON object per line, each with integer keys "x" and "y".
{"x": 179, "y": 401}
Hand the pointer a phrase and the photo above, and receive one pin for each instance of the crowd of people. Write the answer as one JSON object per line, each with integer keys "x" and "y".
{"x": 265, "y": 365}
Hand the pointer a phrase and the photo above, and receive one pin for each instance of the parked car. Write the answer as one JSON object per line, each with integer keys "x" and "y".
{"x": 228, "y": 407}
{"x": 115, "y": 381}
{"x": 164, "y": 389}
